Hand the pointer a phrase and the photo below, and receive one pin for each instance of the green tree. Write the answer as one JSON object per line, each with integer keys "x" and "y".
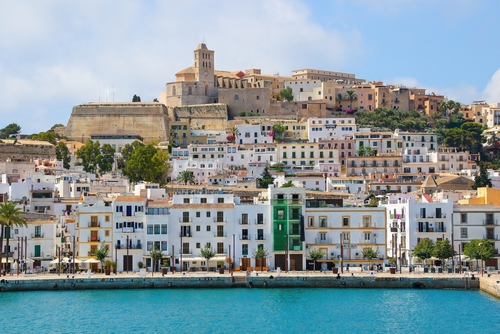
{"x": 286, "y": 94}
{"x": 10, "y": 216}
{"x": 129, "y": 149}
{"x": 370, "y": 254}
{"x": 259, "y": 254}
{"x": 186, "y": 176}
{"x": 147, "y": 163}
{"x": 278, "y": 131}
{"x": 315, "y": 254}
{"x": 106, "y": 158}
{"x": 288, "y": 184}
{"x": 351, "y": 96}
{"x": 233, "y": 134}
{"x": 365, "y": 151}
{"x": 10, "y": 130}
{"x": 265, "y": 178}
{"x": 101, "y": 253}
{"x": 48, "y": 136}
{"x": 207, "y": 252}
{"x": 136, "y": 98}
{"x": 63, "y": 154}
{"x": 479, "y": 249}
{"x": 56, "y": 126}
{"x": 156, "y": 256}
{"x": 443, "y": 250}
{"x": 424, "y": 249}
{"x": 482, "y": 179}
{"x": 88, "y": 154}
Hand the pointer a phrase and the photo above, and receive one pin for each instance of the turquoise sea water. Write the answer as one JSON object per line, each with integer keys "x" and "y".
{"x": 250, "y": 311}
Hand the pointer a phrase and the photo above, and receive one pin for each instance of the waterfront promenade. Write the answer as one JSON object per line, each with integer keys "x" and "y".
{"x": 257, "y": 279}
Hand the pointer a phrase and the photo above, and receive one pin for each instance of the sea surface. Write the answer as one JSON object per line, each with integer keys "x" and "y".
{"x": 250, "y": 311}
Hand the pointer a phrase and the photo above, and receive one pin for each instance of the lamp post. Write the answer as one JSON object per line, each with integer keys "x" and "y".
{"x": 481, "y": 253}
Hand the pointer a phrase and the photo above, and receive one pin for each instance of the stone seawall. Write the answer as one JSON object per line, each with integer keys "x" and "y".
{"x": 263, "y": 281}
{"x": 491, "y": 285}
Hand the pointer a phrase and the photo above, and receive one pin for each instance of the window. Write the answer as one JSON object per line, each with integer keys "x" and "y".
{"x": 366, "y": 221}
{"x": 150, "y": 229}
{"x": 157, "y": 229}
{"x": 463, "y": 218}
{"x": 220, "y": 200}
{"x": 186, "y": 200}
{"x": 220, "y": 216}
{"x": 198, "y": 245}
{"x": 185, "y": 217}
{"x": 198, "y": 214}
{"x": 106, "y": 218}
{"x": 94, "y": 221}
{"x": 208, "y": 228}
{"x": 463, "y": 232}
{"x": 244, "y": 218}
{"x": 367, "y": 236}
{"x": 220, "y": 248}
{"x": 220, "y": 231}
{"x": 208, "y": 214}
{"x": 310, "y": 221}
{"x": 322, "y": 222}
{"x": 163, "y": 228}
{"x": 244, "y": 249}
{"x": 149, "y": 246}
{"x": 203, "y": 200}
{"x": 164, "y": 246}
{"x": 345, "y": 221}
{"x": 281, "y": 214}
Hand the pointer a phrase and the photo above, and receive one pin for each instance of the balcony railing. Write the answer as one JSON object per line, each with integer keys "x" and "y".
{"x": 243, "y": 222}
{"x": 221, "y": 251}
{"x": 93, "y": 239}
{"x": 37, "y": 235}
{"x": 260, "y": 237}
{"x": 41, "y": 254}
{"x": 490, "y": 221}
{"x": 187, "y": 251}
{"x": 185, "y": 235}
{"x": 323, "y": 241}
{"x": 220, "y": 235}
{"x": 260, "y": 222}
{"x": 245, "y": 237}
{"x": 490, "y": 236}
{"x": 431, "y": 230}
{"x": 185, "y": 220}
{"x": 220, "y": 220}
{"x": 128, "y": 229}
{"x": 94, "y": 224}
{"x": 136, "y": 246}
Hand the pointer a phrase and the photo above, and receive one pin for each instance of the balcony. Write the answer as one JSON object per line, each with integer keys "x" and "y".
{"x": 323, "y": 241}
{"x": 128, "y": 229}
{"x": 185, "y": 235}
{"x": 220, "y": 220}
{"x": 245, "y": 237}
{"x": 490, "y": 221}
{"x": 260, "y": 222}
{"x": 490, "y": 236}
{"x": 260, "y": 237}
{"x": 243, "y": 222}
{"x": 294, "y": 231}
{"x": 93, "y": 239}
{"x": 136, "y": 246}
{"x": 187, "y": 251}
{"x": 10, "y": 254}
{"x": 39, "y": 255}
{"x": 185, "y": 220}
{"x": 431, "y": 230}
{"x": 37, "y": 235}
{"x": 220, "y": 235}
{"x": 221, "y": 251}
{"x": 89, "y": 225}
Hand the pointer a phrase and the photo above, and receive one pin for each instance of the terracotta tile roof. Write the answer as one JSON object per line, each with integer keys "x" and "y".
{"x": 129, "y": 199}
{"x": 158, "y": 203}
{"x": 204, "y": 206}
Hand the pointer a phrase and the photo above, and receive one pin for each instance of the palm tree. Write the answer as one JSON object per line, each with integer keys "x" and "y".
{"x": 234, "y": 133}
{"x": 10, "y": 216}
{"x": 351, "y": 95}
{"x": 186, "y": 176}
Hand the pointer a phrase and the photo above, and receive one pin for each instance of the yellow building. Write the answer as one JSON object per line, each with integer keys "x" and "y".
{"x": 485, "y": 195}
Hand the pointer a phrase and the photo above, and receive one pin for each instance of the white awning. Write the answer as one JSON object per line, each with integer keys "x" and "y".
{"x": 193, "y": 259}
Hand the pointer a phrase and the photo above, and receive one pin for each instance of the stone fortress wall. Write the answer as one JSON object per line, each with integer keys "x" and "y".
{"x": 16, "y": 152}
{"x": 149, "y": 120}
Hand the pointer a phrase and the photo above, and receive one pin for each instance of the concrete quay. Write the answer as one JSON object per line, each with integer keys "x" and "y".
{"x": 55, "y": 282}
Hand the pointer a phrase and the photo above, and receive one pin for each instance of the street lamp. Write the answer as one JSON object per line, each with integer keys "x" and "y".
{"x": 481, "y": 253}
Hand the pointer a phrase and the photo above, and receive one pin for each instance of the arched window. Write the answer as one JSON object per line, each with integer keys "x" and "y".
{"x": 206, "y": 90}
{"x": 190, "y": 90}
{"x": 174, "y": 90}
{"x": 236, "y": 97}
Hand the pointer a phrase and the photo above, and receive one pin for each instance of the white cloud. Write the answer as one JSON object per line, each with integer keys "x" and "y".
{"x": 492, "y": 91}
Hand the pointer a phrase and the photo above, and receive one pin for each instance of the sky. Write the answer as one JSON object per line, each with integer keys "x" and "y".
{"x": 56, "y": 54}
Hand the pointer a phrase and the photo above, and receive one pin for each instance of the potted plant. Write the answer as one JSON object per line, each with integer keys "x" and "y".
{"x": 164, "y": 267}
{"x": 113, "y": 266}
{"x": 334, "y": 269}
{"x": 220, "y": 265}
{"x": 392, "y": 261}
{"x": 107, "y": 267}
{"x": 142, "y": 270}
